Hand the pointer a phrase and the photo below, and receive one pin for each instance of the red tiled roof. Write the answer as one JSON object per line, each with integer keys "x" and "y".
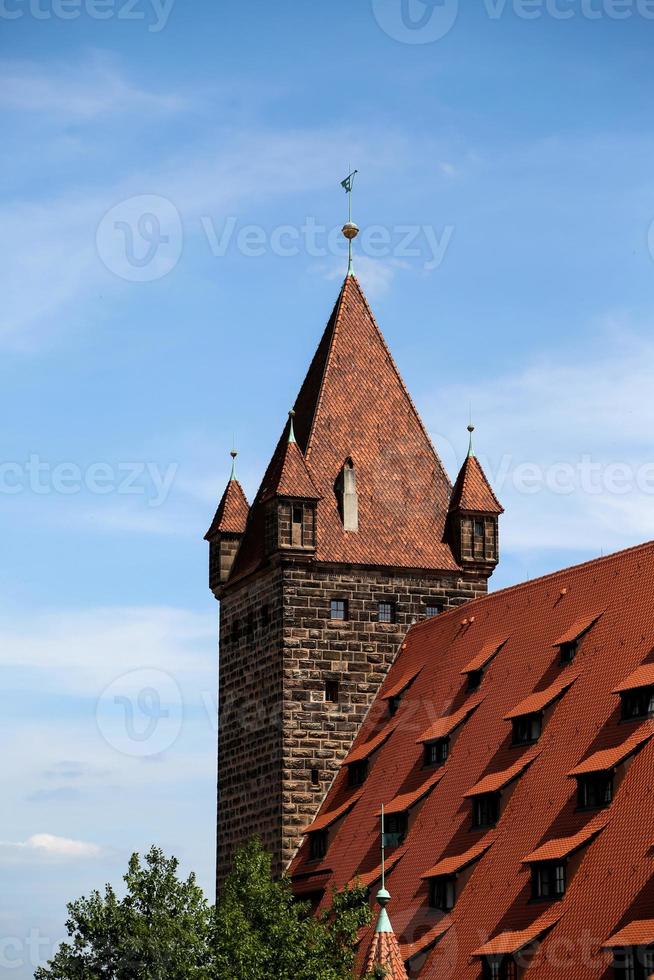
{"x": 404, "y": 801}
{"x": 513, "y": 941}
{"x": 578, "y": 628}
{"x": 542, "y": 806}
{"x": 363, "y": 752}
{"x": 643, "y": 676}
{"x": 410, "y": 950}
{"x": 607, "y": 759}
{"x": 540, "y": 700}
{"x": 496, "y": 781}
{"x": 472, "y": 491}
{"x": 457, "y": 862}
{"x": 489, "y": 650}
{"x": 324, "y": 820}
{"x": 353, "y": 404}
{"x": 637, "y": 933}
{"x": 449, "y": 723}
{"x": 385, "y": 952}
{"x": 557, "y": 848}
{"x": 290, "y": 478}
{"x": 400, "y": 685}
{"x": 232, "y": 513}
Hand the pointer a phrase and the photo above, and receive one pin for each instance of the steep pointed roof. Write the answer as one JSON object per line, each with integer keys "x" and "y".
{"x": 232, "y": 513}
{"x": 289, "y": 477}
{"x": 353, "y": 405}
{"x": 384, "y": 948}
{"x": 472, "y": 491}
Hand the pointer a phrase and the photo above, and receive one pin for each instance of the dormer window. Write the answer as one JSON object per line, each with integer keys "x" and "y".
{"x": 318, "y": 845}
{"x": 395, "y": 829}
{"x": 633, "y": 963}
{"x": 527, "y": 729}
{"x": 595, "y": 791}
{"x": 357, "y": 773}
{"x": 436, "y": 753}
{"x": 548, "y": 881}
{"x": 442, "y": 893}
{"x": 638, "y": 703}
{"x": 568, "y": 651}
{"x": 500, "y": 968}
{"x": 475, "y": 678}
{"x": 394, "y": 704}
{"x": 347, "y": 498}
{"x": 486, "y": 810}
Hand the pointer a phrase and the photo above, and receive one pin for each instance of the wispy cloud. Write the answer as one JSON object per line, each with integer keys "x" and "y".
{"x": 97, "y": 88}
{"x": 578, "y": 427}
{"x": 50, "y": 846}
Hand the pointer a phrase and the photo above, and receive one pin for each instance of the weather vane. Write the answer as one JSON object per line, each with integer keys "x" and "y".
{"x": 350, "y": 230}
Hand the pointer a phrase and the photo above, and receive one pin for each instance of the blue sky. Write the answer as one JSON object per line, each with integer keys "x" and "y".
{"x": 514, "y": 151}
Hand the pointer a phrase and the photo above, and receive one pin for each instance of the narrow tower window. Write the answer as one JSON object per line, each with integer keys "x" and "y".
{"x": 347, "y": 497}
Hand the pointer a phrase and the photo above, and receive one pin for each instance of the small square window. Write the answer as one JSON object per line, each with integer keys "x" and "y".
{"x": 318, "y": 845}
{"x": 338, "y": 609}
{"x": 386, "y": 612}
{"x": 332, "y": 691}
{"x": 595, "y": 791}
{"x": 527, "y": 729}
{"x": 436, "y": 753}
{"x": 431, "y": 611}
{"x": 548, "y": 881}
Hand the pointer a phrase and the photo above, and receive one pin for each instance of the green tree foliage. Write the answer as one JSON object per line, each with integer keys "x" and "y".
{"x": 164, "y": 928}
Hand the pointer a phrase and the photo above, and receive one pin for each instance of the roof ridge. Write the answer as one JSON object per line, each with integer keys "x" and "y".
{"x": 521, "y": 586}
{"x": 336, "y": 316}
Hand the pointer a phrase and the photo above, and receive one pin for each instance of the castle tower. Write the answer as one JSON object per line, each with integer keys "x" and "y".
{"x": 352, "y": 536}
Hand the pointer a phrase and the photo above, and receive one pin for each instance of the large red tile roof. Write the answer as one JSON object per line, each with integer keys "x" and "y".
{"x": 611, "y": 882}
{"x": 353, "y": 405}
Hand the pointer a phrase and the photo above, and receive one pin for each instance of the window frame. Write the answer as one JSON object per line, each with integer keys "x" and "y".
{"x": 492, "y": 802}
{"x": 318, "y": 845}
{"x": 535, "y": 723}
{"x": 342, "y": 603}
{"x": 595, "y": 780}
{"x": 389, "y": 605}
{"x": 442, "y": 893}
{"x": 357, "y": 773}
{"x": 552, "y": 874}
{"x": 441, "y": 757}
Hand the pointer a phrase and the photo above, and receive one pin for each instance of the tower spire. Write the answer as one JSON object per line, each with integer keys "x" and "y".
{"x": 233, "y": 454}
{"x": 291, "y": 429}
{"x": 471, "y": 429}
{"x": 350, "y": 230}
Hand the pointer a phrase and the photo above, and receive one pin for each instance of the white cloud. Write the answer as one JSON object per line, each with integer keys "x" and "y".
{"x": 49, "y": 845}
{"x": 80, "y": 651}
{"x": 582, "y": 419}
